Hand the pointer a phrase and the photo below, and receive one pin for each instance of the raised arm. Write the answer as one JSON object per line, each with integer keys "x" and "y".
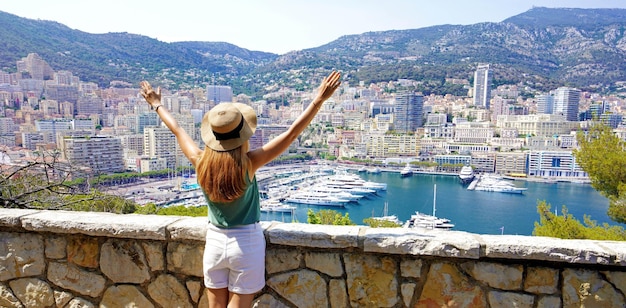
{"x": 276, "y": 146}
{"x": 186, "y": 143}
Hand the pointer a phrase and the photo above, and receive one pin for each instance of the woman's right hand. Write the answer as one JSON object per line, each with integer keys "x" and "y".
{"x": 152, "y": 97}
{"x": 329, "y": 85}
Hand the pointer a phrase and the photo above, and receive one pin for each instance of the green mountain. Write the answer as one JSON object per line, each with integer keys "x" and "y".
{"x": 543, "y": 47}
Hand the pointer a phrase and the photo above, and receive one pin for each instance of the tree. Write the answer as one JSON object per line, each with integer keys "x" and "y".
{"x": 567, "y": 227}
{"x": 328, "y": 217}
{"x": 42, "y": 181}
{"x": 603, "y": 156}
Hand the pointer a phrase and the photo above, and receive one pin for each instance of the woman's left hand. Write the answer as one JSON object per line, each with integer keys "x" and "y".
{"x": 152, "y": 97}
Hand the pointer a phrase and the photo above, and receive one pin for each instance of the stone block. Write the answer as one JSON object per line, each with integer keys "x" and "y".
{"x": 328, "y": 263}
{"x": 371, "y": 280}
{"x": 541, "y": 280}
{"x": 124, "y": 296}
{"x": 11, "y": 218}
{"x": 280, "y": 260}
{"x": 510, "y": 299}
{"x": 100, "y": 224}
{"x": 421, "y": 242}
{"x": 56, "y": 247}
{"x": 8, "y": 299}
{"x": 548, "y": 249}
{"x": 319, "y": 236}
{"x": 21, "y": 255}
{"x": 496, "y": 275}
{"x": 167, "y": 291}
{"x": 33, "y": 292}
{"x": 189, "y": 228}
{"x": 75, "y": 279}
{"x": 123, "y": 261}
{"x": 446, "y": 286}
{"x": 185, "y": 258}
{"x": 303, "y": 288}
{"x": 83, "y": 251}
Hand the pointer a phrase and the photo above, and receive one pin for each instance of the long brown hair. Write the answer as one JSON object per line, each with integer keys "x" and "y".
{"x": 222, "y": 174}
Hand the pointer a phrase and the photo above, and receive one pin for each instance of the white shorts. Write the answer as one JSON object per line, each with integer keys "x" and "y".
{"x": 235, "y": 258}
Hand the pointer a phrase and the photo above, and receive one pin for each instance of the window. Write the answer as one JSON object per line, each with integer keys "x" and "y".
{"x": 556, "y": 162}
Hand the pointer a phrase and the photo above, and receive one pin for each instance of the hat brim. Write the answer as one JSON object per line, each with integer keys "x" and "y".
{"x": 248, "y": 129}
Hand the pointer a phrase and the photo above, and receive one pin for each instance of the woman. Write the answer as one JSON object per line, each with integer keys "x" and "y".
{"x": 234, "y": 254}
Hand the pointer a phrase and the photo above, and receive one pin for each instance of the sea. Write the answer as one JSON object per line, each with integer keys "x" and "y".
{"x": 472, "y": 211}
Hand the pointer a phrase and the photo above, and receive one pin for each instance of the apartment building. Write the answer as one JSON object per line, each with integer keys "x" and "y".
{"x": 102, "y": 154}
{"x": 382, "y": 145}
{"x": 132, "y": 144}
{"x": 482, "y": 86}
{"x": 510, "y": 162}
{"x": 159, "y": 142}
{"x": 408, "y": 112}
{"x": 484, "y": 162}
{"x": 554, "y": 164}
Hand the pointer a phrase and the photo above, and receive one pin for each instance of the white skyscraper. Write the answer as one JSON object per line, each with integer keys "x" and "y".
{"x": 482, "y": 86}
{"x": 218, "y": 94}
{"x": 566, "y": 102}
{"x": 545, "y": 104}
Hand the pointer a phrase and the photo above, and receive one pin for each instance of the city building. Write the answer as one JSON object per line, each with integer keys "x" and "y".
{"x": 482, "y": 86}
{"x": 547, "y": 125}
{"x": 102, "y": 154}
{"x": 566, "y": 102}
{"x": 35, "y": 66}
{"x": 473, "y": 132}
{"x": 545, "y": 104}
{"x": 382, "y": 145}
{"x": 161, "y": 143}
{"x": 218, "y": 94}
{"x": 408, "y": 114}
{"x": 554, "y": 164}
{"x": 511, "y": 162}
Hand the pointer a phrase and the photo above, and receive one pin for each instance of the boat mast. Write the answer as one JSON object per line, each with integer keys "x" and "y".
{"x": 435, "y": 201}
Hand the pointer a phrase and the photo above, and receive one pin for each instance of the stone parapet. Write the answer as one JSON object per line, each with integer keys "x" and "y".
{"x": 87, "y": 259}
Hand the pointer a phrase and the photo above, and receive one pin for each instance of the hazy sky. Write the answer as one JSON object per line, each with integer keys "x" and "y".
{"x": 277, "y": 26}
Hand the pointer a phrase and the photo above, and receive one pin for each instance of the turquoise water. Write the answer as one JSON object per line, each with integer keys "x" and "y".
{"x": 472, "y": 211}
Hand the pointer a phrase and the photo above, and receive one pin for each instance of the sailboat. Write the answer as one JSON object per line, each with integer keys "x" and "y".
{"x": 386, "y": 216}
{"x": 425, "y": 221}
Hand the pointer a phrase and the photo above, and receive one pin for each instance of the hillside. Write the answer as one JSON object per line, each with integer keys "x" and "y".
{"x": 542, "y": 47}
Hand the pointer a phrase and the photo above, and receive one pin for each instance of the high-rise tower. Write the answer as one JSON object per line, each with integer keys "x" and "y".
{"x": 566, "y": 102}
{"x": 482, "y": 86}
{"x": 408, "y": 112}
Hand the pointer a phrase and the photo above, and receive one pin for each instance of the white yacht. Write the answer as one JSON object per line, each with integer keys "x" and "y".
{"x": 274, "y": 205}
{"x": 386, "y": 217}
{"x": 497, "y": 184}
{"x": 421, "y": 220}
{"x": 306, "y": 197}
{"x": 339, "y": 193}
{"x": 425, "y": 221}
{"x": 406, "y": 171}
{"x": 466, "y": 175}
{"x": 353, "y": 180}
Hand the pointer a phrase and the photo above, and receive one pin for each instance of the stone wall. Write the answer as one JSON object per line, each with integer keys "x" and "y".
{"x": 84, "y": 259}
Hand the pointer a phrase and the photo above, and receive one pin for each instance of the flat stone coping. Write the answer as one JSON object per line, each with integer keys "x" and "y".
{"x": 398, "y": 241}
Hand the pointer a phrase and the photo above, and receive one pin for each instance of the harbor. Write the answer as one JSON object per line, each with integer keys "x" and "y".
{"x": 476, "y": 211}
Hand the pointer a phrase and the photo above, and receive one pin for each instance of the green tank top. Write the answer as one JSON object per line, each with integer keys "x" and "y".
{"x": 245, "y": 210}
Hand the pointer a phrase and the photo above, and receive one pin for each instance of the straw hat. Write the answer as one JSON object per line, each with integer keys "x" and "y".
{"x": 227, "y": 126}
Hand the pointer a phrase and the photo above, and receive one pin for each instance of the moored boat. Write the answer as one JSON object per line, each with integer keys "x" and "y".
{"x": 466, "y": 175}
{"x": 425, "y": 221}
{"x": 495, "y": 183}
{"x": 316, "y": 199}
{"x": 406, "y": 171}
